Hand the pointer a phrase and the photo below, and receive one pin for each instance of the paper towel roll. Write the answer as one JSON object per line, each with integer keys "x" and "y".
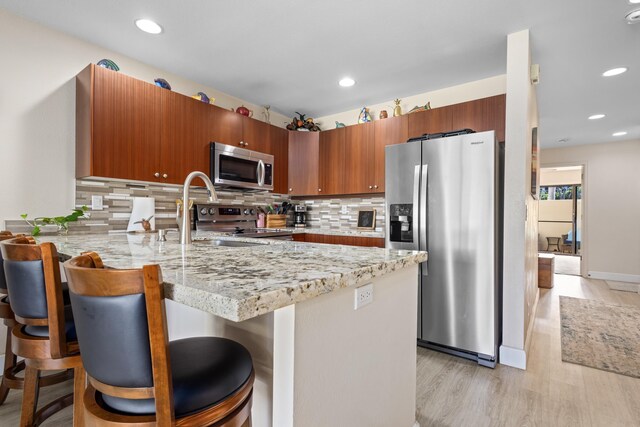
{"x": 143, "y": 208}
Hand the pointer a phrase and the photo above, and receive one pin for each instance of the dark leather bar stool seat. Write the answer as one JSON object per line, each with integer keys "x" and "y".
{"x": 12, "y": 368}
{"x": 43, "y": 334}
{"x": 136, "y": 376}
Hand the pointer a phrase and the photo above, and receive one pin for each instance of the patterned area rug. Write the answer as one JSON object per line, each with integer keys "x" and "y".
{"x": 600, "y": 335}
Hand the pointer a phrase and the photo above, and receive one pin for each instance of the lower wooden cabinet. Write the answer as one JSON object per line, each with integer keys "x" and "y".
{"x": 340, "y": 240}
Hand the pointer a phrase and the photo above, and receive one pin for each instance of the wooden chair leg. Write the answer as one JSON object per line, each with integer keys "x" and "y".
{"x": 9, "y": 361}
{"x": 79, "y": 385}
{"x": 30, "y": 396}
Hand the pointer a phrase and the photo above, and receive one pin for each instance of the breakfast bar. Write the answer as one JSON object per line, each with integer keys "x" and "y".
{"x": 293, "y": 305}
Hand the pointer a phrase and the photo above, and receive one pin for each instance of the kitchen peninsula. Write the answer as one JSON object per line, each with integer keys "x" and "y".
{"x": 292, "y": 305}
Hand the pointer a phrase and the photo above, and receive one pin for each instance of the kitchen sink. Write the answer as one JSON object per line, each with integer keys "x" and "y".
{"x": 228, "y": 243}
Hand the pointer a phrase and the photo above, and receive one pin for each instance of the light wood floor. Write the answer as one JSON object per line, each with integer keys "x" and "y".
{"x": 456, "y": 392}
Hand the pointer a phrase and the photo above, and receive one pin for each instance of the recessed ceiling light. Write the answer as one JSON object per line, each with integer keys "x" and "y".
{"x": 596, "y": 116}
{"x": 615, "y": 71}
{"x": 634, "y": 1}
{"x": 148, "y": 26}
{"x": 620, "y": 133}
{"x": 347, "y": 82}
{"x": 633, "y": 16}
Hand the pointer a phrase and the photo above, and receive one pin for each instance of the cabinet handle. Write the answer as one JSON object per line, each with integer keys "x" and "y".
{"x": 291, "y": 189}
{"x": 157, "y": 174}
{"x": 375, "y": 186}
{"x": 164, "y": 175}
{"x": 246, "y": 144}
{"x": 319, "y": 189}
{"x": 370, "y": 187}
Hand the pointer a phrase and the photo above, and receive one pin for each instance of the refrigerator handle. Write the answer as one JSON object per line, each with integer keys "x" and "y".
{"x": 424, "y": 230}
{"x": 416, "y": 208}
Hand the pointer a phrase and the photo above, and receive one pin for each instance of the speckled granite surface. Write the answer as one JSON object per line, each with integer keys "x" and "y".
{"x": 241, "y": 283}
{"x": 600, "y": 335}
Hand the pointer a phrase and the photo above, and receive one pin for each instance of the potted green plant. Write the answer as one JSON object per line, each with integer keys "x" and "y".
{"x": 62, "y": 222}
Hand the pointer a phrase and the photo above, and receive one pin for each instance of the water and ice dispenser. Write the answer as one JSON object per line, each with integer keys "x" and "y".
{"x": 401, "y": 223}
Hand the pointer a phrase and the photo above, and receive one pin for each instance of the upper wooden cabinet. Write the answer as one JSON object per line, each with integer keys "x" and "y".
{"x": 481, "y": 115}
{"x": 303, "y": 163}
{"x": 359, "y": 159}
{"x": 255, "y": 135}
{"x": 430, "y": 121}
{"x": 226, "y": 126}
{"x": 279, "y": 148}
{"x": 130, "y": 129}
{"x": 117, "y": 126}
{"x": 393, "y": 130}
{"x": 332, "y": 162}
{"x": 185, "y": 135}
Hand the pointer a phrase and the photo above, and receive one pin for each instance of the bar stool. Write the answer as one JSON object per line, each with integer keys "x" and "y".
{"x": 12, "y": 367}
{"x": 135, "y": 375}
{"x": 44, "y": 334}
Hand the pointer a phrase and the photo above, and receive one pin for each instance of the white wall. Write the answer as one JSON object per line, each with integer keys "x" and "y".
{"x": 611, "y": 192}
{"x": 560, "y": 177}
{"x": 37, "y": 113}
{"x": 439, "y": 98}
{"x": 520, "y": 281}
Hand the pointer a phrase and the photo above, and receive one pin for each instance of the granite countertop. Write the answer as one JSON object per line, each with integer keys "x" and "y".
{"x": 238, "y": 283}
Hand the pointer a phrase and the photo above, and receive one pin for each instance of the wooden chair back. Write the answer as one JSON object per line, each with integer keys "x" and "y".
{"x": 4, "y": 235}
{"x": 90, "y": 285}
{"x": 37, "y": 301}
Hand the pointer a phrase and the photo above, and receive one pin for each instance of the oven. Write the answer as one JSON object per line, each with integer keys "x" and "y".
{"x": 240, "y": 168}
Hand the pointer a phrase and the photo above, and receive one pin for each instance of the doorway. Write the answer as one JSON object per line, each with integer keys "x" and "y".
{"x": 560, "y": 217}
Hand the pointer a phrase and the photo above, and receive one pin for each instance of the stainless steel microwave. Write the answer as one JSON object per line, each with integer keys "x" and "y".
{"x": 240, "y": 168}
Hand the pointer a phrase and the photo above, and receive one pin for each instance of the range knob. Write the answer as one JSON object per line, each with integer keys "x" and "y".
{"x": 212, "y": 211}
{"x": 246, "y": 211}
{"x": 252, "y": 211}
{"x": 203, "y": 211}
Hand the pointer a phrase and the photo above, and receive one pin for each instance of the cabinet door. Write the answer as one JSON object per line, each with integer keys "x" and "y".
{"x": 255, "y": 135}
{"x": 185, "y": 137}
{"x": 126, "y": 127}
{"x": 394, "y": 130}
{"x": 332, "y": 162}
{"x": 430, "y": 121}
{"x": 279, "y": 148}
{"x": 303, "y": 163}
{"x": 225, "y": 126}
{"x": 481, "y": 115}
{"x": 359, "y": 158}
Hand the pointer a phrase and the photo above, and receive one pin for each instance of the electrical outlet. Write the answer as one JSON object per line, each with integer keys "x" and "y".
{"x": 344, "y": 210}
{"x": 96, "y": 203}
{"x": 364, "y": 296}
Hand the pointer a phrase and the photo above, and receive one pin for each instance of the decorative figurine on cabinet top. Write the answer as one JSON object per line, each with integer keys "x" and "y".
{"x": 203, "y": 97}
{"x": 339, "y": 125}
{"x": 417, "y": 108}
{"x": 365, "y": 116}
{"x": 302, "y": 124}
{"x": 108, "y": 64}
{"x": 397, "y": 110}
{"x": 162, "y": 83}
{"x": 242, "y": 110}
{"x": 266, "y": 113}
{"x": 383, "y": 114}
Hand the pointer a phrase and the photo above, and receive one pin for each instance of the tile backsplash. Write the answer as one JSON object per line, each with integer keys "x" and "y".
{"x": 335, "y": 214}
{"x": 341, "y": 214}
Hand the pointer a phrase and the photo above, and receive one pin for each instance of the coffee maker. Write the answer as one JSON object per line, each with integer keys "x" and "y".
{"x": 300, "y": 216}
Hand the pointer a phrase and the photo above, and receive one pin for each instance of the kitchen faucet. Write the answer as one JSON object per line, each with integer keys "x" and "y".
{"x": 184, "y": 214}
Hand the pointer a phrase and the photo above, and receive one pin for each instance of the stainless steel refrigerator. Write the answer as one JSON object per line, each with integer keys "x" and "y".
{"x": 444, "y": 196}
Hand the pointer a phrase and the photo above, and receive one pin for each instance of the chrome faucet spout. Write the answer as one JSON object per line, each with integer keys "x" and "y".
{"x": 185, "y": 231}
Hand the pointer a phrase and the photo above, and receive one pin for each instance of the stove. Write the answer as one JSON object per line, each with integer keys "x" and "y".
{"x": 235, "y": 220}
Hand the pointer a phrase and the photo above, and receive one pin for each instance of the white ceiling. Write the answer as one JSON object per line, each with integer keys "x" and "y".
{"x": 290, "y": 54}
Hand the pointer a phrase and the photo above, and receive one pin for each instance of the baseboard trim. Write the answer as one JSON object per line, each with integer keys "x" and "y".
{"x": 514, "y": 357}
{"x": 617, "y": 277}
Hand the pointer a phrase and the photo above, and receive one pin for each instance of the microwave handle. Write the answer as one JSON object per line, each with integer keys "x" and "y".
{"x": 261, "y": 173}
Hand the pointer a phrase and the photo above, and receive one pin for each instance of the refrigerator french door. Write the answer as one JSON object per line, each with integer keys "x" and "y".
{"x": 444, "y": 196}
